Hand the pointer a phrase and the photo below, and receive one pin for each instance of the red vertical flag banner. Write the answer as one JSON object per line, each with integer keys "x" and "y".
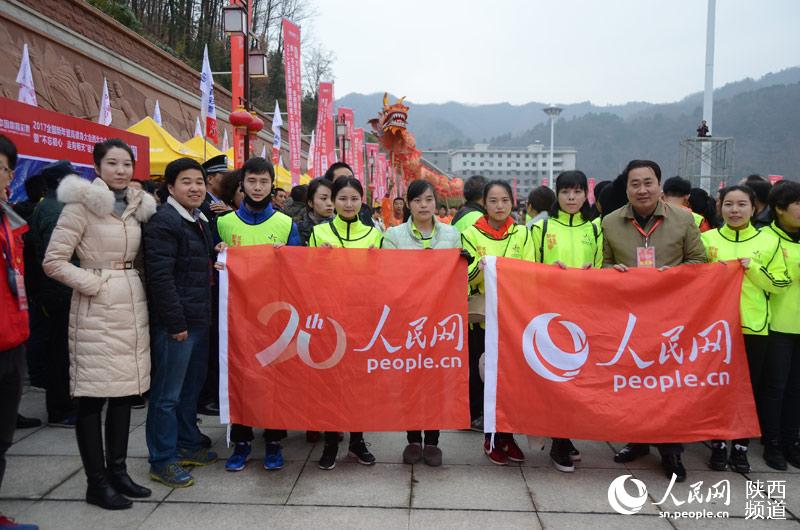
{"x": 591, "y": 196}
{"x": 358, "y": 154}
{"x": 658, "y": 358}
{"x": 237, "y": 82}
{"x": 324, "y": 117}
{"x": 330, "y": 134}
{"x": 302, "y": 358}
{"x": 291, "y": 64}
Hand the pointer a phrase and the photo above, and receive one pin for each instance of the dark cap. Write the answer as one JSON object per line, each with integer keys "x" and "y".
{"x": 218, "y": 164}
{"x": 53, "y": 173}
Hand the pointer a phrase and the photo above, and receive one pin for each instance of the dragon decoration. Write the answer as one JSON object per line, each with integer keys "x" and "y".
{"x": 391, "y": 128}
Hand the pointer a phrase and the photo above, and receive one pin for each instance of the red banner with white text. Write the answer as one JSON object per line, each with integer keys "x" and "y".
{"x": 43, "y": 136}
{"x": 358, "y": 155}
{"x": 324, "y": 141}
{"x": 314, "y": 354}
{"x": 655, "y": 357}
{"x": 291, "y": 64}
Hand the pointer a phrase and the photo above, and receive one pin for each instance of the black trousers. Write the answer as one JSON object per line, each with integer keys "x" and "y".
{"x": 415, "y": 437}
{"x": 780, "y": 389}
{"x": 36, "y": 347}
{"x": 210, "y": 390}
{"x": 243, "y": 433}
{"x": 58, "y": 401}
{"x": 756, "y": 348}
{"x": 12, "y": 364}
{"x": 332, "y": 437}
{"x": 476, "y": 341}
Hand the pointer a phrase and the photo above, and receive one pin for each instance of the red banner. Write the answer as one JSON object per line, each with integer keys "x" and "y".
{"x": 43, "y": 136}
{"x": 324, "y": 129}
{"x": 291, "y": 64}
{"x": 333, "y": 356}
{"x": 774, "y": 179}
{"x": 358, "y": 154}
{"x": 347, "y": 115}
{"x": 591, "y": 196}
{"x": 658, "y": 358}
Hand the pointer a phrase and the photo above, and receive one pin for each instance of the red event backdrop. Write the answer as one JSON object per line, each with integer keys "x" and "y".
{"x": 291, "y": 63}
{"x": 324, "y": 140}
{"x": 42, "y": 136}
{"x": 659, "y": 357}
{"x": 333, "y": 356}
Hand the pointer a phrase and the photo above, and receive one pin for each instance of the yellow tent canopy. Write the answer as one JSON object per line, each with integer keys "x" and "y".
{"x": 164, "y": 148}
{"x": 196, "y": 145}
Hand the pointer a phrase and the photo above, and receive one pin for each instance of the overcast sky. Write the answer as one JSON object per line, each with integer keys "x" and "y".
{"x": 560, "y": 51}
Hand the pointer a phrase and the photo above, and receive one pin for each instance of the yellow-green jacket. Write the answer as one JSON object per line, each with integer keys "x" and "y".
{"x": 785, "y": 305}
{"x": 567, "y": 238}
{"x": 516, "y": 243}
{"x": 765, "y": 274}
{"x": 340, "y": 233}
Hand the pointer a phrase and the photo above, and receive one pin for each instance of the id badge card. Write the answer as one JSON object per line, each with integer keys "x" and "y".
{"x": 22, "y": 298}
{"x": 646, "y": 257}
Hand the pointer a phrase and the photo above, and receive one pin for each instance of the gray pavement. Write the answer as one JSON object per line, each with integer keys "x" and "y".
{"x": 44, "y": 484}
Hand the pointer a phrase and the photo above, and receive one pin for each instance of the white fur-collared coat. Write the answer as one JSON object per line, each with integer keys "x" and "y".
{"x": 109, "y": 339}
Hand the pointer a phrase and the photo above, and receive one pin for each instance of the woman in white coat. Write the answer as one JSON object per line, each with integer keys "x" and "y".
{"x": 109, "y": 341}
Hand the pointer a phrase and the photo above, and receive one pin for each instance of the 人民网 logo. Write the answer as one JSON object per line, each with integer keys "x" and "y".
{"x": 621, "y": 500}
{"x": 547, "y": 359}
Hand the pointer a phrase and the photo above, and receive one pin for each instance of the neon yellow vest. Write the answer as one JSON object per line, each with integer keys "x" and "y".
{"x": 467, "y": 220}
{"x": 766, "y": 273}
{"x": 569, "y": 239}
{"x": 516, "y": 244}
{"x": 235, "y": 232}
{"x": 345, "y": 234}
{"x": 785, "y": 306}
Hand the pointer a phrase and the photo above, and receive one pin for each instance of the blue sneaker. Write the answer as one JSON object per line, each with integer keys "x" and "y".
{"x": 172, "y": 475}
{"x": 238, "y": 459}
{"x": 273, "y": 457}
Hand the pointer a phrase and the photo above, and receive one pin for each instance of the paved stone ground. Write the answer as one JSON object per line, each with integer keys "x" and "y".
{"x": 44, "y": 484}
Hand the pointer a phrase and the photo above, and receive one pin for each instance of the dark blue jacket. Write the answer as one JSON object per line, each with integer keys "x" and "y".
{"x": 178, "y": 257}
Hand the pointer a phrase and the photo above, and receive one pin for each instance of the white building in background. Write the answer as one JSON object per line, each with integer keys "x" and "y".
{"x": 528, "y": 164}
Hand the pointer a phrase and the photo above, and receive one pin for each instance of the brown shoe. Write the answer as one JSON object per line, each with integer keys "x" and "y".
{"x": 412, "y": 454}
{"x": 432, "y": 455}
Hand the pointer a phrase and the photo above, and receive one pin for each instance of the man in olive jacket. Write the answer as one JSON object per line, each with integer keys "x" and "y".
{"x": 647, "y": 232}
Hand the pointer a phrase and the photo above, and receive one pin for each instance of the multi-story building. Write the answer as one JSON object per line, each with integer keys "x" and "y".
{"x": 528, "y": 164}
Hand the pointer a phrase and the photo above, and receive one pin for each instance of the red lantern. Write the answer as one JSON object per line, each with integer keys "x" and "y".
{"x": 255, "y": 125}
{"x": 240, "y": 119}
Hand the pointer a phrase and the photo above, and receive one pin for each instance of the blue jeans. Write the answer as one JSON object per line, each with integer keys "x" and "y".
{"x": 178, "y": 374}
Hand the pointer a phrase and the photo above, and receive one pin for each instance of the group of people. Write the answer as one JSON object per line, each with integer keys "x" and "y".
{"x": 132, "y": 288}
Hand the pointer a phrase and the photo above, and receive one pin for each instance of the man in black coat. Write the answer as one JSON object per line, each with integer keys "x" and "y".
{"x": 178, "y": 262}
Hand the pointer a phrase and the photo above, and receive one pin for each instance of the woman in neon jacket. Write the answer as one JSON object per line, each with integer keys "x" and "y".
{"x": 780, "y": 419}
{"x": 345, "y": 230}
{"x": 568, "y": 239}
{"x": 494, "y": 234}
{"x": 765, "y": 273}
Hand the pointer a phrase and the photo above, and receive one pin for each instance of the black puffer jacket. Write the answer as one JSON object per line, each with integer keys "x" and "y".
{"x": 178, "y": 254}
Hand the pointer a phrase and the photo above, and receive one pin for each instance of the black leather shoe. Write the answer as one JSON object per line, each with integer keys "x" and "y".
{"x": 774, "y": 456}
{"x": 719, "y": 456}
{"x": 106, "y": 497}
{"x": 673, "y": 464}
{"x": 27, "y": 423}
{"x": 123, "y": 483}
{"x": 631, "y": 452}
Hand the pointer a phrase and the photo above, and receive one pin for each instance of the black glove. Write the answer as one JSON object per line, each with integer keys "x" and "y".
{"x": 467, "y": 256}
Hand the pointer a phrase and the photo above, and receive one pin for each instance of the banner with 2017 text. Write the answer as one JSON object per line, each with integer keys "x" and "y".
{"x": 640, "y": 356}
{"x": 343, "y": 339}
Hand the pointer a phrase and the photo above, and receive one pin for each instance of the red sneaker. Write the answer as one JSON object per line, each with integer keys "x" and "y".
{"x": 513, "y": 452}
{"x": 496, "y": 455}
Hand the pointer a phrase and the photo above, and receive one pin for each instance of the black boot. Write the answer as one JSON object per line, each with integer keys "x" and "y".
{"x": 90, "y": 443}
{"x": 118, "y": 420}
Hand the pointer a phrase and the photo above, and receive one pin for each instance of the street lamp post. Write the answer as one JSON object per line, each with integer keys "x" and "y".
{"x": 341, "y": 132}
{"x": 371, "y": 183}
{"x": 552, "y": 112}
